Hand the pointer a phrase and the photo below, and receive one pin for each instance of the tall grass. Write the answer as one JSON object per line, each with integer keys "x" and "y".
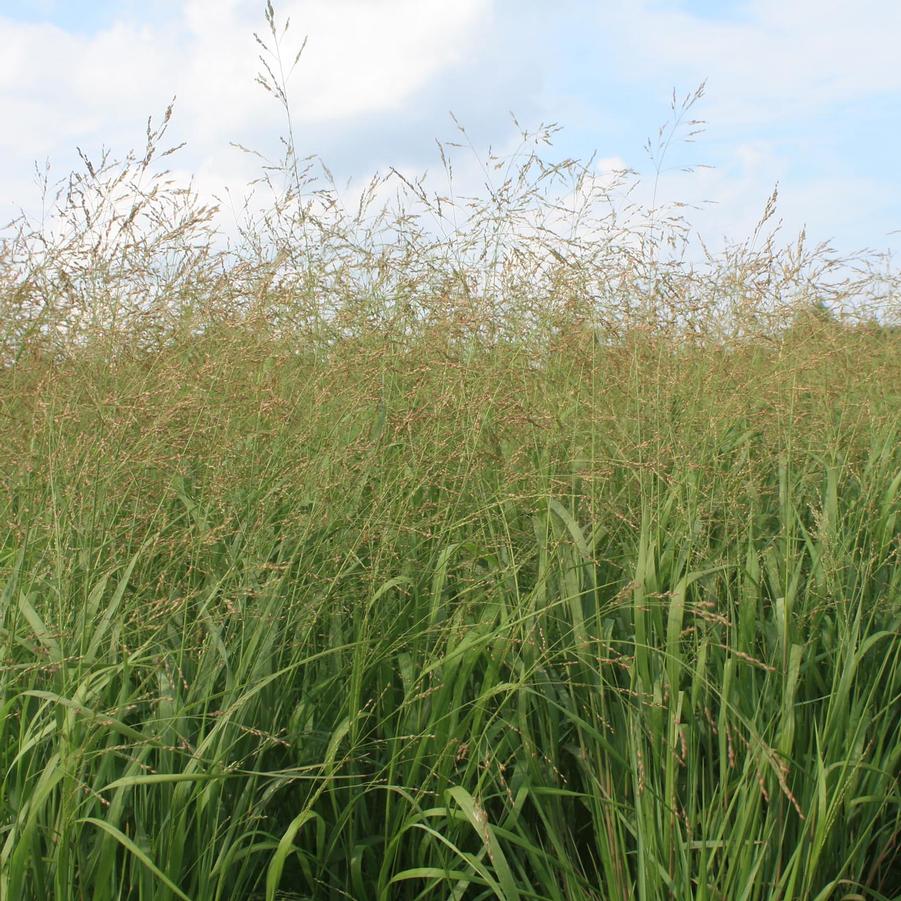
{"x": 366, "y": 560}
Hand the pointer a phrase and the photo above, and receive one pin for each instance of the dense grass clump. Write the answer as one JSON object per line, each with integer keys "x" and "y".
{"x": 509, "y": 557}
{"x": 391, "y": 624}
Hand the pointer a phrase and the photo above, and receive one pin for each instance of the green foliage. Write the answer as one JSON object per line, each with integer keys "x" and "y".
{"x": 384, "y": 625}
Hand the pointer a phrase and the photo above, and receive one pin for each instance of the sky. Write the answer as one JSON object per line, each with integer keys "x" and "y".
{"x": 803, "y": 93}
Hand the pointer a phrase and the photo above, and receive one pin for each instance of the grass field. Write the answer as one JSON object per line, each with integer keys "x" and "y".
{"x": 406, "y": 570}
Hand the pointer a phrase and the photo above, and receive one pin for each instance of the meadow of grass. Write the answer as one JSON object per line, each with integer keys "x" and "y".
{"x": 360, "y": 562}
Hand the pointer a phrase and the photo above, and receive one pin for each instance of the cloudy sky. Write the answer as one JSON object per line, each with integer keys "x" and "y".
{"x": 806, "y": 93}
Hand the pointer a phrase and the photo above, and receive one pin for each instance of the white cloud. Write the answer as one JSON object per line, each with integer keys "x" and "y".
{"x": 366, "y": 55}
{"x": 370, "y": 61}
{"x": 363, "y": 56}
{"x": 725, "y": 204}
{"x": 773, "y": 69}
{"x": 780, "y": 59}
{"x": 59, "y": 89}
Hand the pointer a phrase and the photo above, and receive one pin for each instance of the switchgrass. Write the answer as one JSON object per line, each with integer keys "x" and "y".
{"x": 390, "y": 625}
{"x": 358, "y": 561}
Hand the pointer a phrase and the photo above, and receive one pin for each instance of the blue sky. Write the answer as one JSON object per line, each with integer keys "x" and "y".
{"x": 806, "y": 94}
